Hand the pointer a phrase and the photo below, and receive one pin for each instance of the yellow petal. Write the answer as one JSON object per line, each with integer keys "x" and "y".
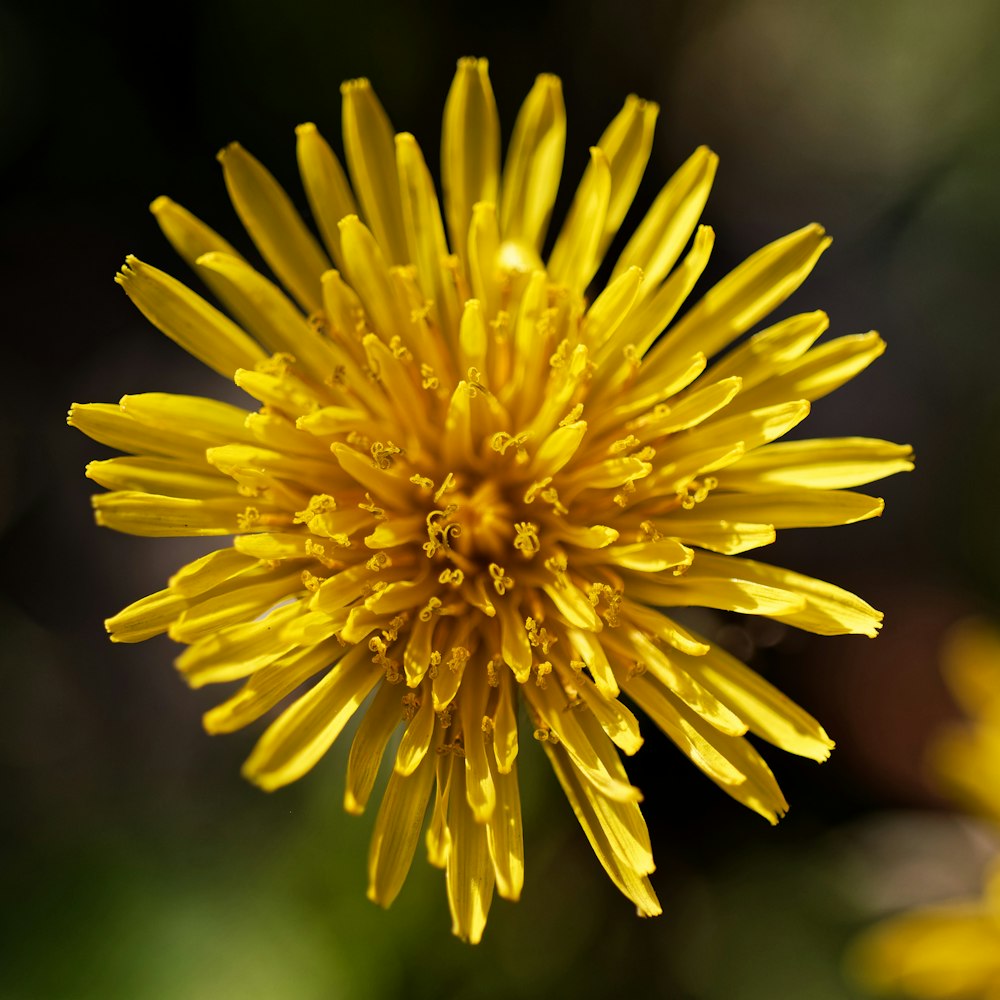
{"x": 716, "y": 535}
{"x": 298, "y": 738}
{"x": 787, "y": 509}
{"x": 657, "y": 624}
{"x": 696, "y": 406}
{"x": 663, "y": 233}
{"x": 165, "y": 476}
{"x": 534, "y": 164}
{"x": 371, "y": 160}
{"x": 275, "y": 226}
{"x": 668, "y": 669}
{"x": 612, "y": 306}
{"x": 267, "y": 687}
{"x": 627, "y": 862}
{"x": 514, "y": 645}
{"x": 425, "y": 232}
{"x": 504, "y": 838}
{"x": 469, "y": 871}
{"x": 558, "y": 449}
{"x": 397, "y": 829}
{"x": 761, "y": 283}
{"x": 377, "y": 726}
{"x": 237, "y": 651}
{"x": 824, "y": 464}
{"x": 828, "y": 610}
{"x": 761, "y": 355}
{"x": 615, "y": 719}
{"x": 329, "y": 194}
{"x": 417, "y": 736}
{"x": 155, "y": 516}
{"x": 626, "y": 142}
{"x": 276, "y": 322}
{"x": 816, "y": 373}
{"x": 470, "y": 147}
{"x": 188, "y": 319}
{"x": 592, "y": 753}
{"x": 729, "y": 761}
{"x": 505, "y": 725}
{"x": 210, "y": 571}
{"x": 480, "y": 789}
{"x": 649, "y": 318}
{"x": 146, "y": 617}
{"x": 769, "y": 713}
{"x": 366, "y": 269}
{"x": 191, "y": 238}
{"x": 589, "y": 649}
{"x": 251, "y": 597}
{"x": 575, "y": 256}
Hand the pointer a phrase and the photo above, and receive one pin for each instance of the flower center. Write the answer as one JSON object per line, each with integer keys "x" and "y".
{"x": 485, "y": 519}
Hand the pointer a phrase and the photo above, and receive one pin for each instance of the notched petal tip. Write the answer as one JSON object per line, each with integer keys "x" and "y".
{"x": 230, "y": 149}
{"x": 306, "y": 128}
{"x": 354, "y": 86}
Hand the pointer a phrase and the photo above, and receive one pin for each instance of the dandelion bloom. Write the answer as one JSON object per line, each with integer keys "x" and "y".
{"x": 948, "y": 952}
{"x": 467, "y": 490}
{"x": 952, "y": 951}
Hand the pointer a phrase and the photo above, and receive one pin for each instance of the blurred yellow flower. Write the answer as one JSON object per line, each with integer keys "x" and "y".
{"x": 953, "y": 951}
{"x": 966, "y": 756}
{"x": 468, "y": 487}
{"x": 937, "y": 953}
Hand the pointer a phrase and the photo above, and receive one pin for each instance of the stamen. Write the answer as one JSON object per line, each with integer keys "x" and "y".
{"x": 573, "y": 416}
{"x": 320, "y": 503}
{"x": 399, "y": 350}
{"x": 383, "y": 454}
{"x": 501, "y": 582}
{"x": 249, "y": 519}
{"x": 410, "y": 705}
{"x": 377, "y": 512}
{"x": 539, "y": 637}
{"x": 446, "y": 487}
{"x": 492, "y": 673}
{"x": 359, "y": 440}
{"x": 501, "y": 441}
{"x": 624, "y": 444}
{"x": 428, "y": 611}
{"x": 545, "y": 735}
{"x": 535, "y": 488}
{"x": 526, "y": 541}
{"x": 557, "y": 566}
{"x": 649, "y": 532}
{"x": 696, "y": 491}
{"x": 627, "y": 490}
{"x": 428, "y": 379}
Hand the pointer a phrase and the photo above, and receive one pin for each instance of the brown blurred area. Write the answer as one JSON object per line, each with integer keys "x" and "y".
{"x": 136, "y": 862}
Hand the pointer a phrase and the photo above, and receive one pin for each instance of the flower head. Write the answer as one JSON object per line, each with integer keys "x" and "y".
{"x": 468, "y": 491}
{"x": 951, "y": 951}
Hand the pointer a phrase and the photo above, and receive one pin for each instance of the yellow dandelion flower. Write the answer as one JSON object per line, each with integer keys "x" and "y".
{"x": 952, "y": 951}
{"x": 966, "y": 756}
{"x": 469, "y": 491}
{"x": 948, "y": 952}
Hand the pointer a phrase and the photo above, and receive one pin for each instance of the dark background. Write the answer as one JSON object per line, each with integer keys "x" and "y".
{"x": 135, "y": 861}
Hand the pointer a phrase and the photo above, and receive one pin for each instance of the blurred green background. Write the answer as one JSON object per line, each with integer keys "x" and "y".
{"x": 134, "y": 861}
